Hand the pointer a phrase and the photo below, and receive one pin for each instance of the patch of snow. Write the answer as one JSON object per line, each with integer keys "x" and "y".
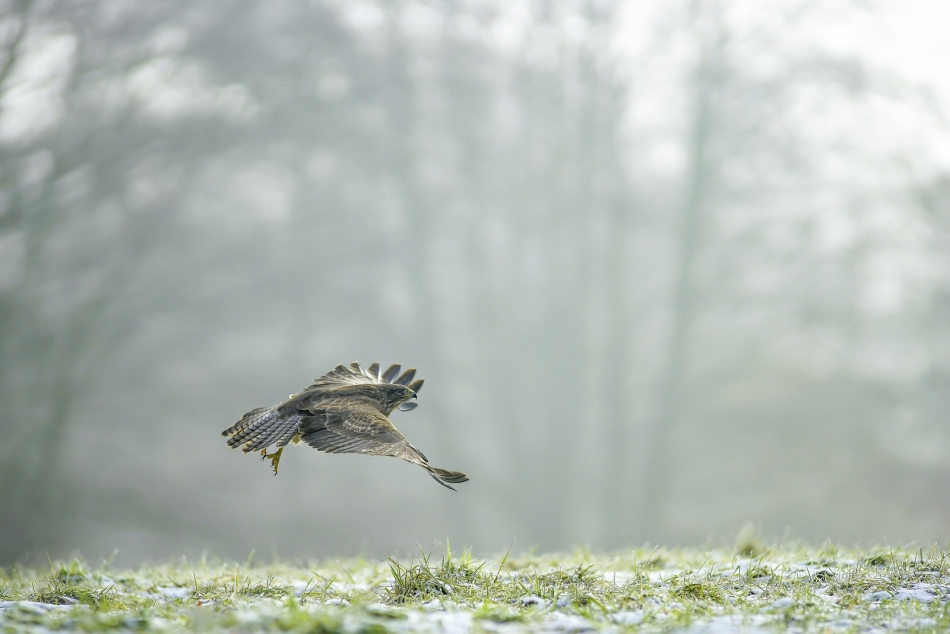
{"x": 530, "y": 599}
{"x": 822, "y": 593}
{"x": 246, "y": 616}
{"x": 922, "y": 623}
{"x": 34, "y": 606}
{"x": 455, "y": 622}
{"x": 628, "y": 617}
{"x": 160, "y": 623}
{"x": 382, "y": 609}
{"x": 880, "y": 595}
{"x": 784, "y": 602}
{"x": 742, "y": 567}
{"x": 559, "y": 622}
{"x": 843, "y": 625}
{"x": 730, "y": 624}
{"x": 450, "y": 622}
{"x": 170, "y": 592}
{"x": 924, "y": 595}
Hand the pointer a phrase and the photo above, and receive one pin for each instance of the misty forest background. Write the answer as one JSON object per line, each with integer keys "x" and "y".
{"x": 666, "y": 267}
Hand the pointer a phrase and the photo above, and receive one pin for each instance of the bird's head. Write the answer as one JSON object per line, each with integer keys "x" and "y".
{"x": 392, "y": 395}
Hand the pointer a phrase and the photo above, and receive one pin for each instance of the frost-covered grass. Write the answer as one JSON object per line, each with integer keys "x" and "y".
{"x": 651, "y": 590}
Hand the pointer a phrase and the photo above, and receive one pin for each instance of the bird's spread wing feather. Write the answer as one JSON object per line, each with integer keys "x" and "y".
{"x": 337, "y": 428}
{"x": 354, "y": 374}
{"x": 356, "y": 428}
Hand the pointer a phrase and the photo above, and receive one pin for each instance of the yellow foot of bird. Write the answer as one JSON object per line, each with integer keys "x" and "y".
{"x": 274, "y": 457}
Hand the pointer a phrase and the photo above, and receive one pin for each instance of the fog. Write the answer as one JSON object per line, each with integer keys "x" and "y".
{"x": 667, "y": 269}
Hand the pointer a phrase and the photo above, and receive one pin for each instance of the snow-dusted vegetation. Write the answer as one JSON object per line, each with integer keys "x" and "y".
{"x": 659, "y": 590}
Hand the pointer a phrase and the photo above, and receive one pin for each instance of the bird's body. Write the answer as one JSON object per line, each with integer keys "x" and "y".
{"x": 344, "y": 411}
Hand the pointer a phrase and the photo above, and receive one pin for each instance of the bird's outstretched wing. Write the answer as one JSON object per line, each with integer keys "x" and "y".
{"x": 339, "y": 426}
{"x": 354, "y": 374}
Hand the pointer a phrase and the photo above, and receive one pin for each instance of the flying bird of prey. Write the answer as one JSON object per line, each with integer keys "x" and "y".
{"x": 345, "y": 411}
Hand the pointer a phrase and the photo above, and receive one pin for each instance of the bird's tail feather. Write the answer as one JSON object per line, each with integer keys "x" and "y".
{"x": 260, "y": 428}
{"x": 444, "y": 476}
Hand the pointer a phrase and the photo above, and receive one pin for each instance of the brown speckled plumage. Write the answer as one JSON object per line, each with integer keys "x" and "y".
{"x": 344, "y": 411}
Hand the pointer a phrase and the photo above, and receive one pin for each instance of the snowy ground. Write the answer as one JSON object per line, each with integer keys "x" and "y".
{"x": 692, "y": 591}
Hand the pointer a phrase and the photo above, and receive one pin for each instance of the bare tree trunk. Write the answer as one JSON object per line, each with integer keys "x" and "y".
{"x": 688, "y": 241}
{"x": 13, "y": 49}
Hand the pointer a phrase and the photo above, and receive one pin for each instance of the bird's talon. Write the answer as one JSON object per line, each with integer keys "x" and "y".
{"x": 274, "y": 457}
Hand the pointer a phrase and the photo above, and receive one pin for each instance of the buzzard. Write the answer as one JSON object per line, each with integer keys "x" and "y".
{"x": 345, "y": 411}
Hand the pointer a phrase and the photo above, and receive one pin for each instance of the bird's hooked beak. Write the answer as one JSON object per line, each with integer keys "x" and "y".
{"x": 407, "y": 406}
